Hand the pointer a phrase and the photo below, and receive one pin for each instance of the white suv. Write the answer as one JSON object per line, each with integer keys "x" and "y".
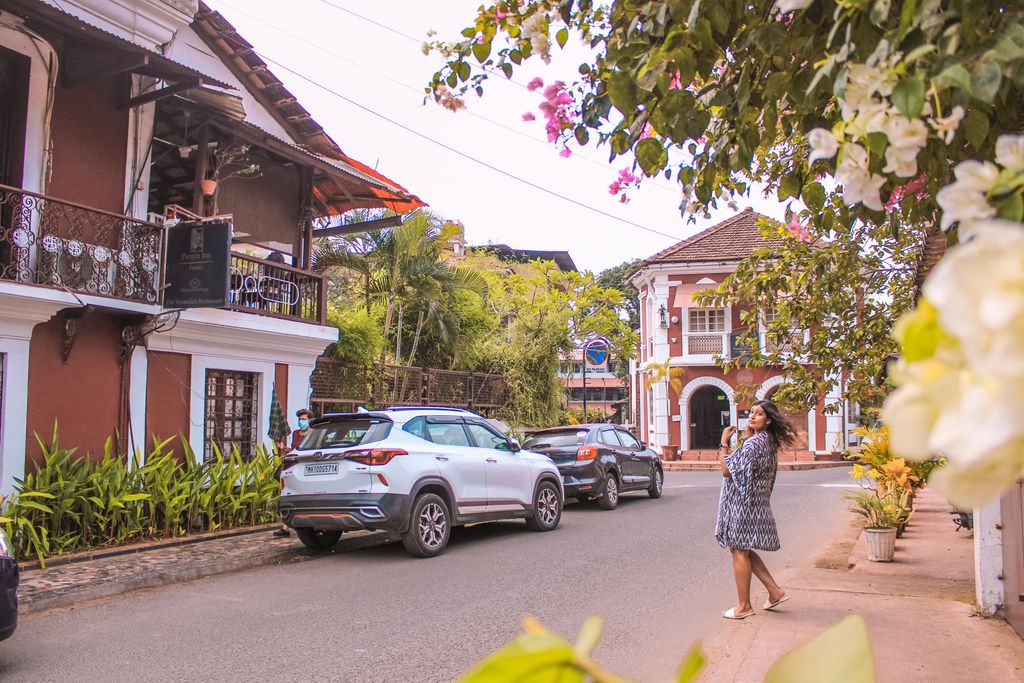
{"x": 415, "y": 471}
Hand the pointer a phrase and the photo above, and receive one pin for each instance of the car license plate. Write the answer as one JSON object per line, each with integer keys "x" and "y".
{"x": 321, "y": 468}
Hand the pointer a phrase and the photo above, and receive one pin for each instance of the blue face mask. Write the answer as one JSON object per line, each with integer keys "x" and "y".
{"x": 303, "y": 424}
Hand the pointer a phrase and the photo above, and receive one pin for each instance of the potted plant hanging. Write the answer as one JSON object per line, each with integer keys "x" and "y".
{"x": 882, "y": 514}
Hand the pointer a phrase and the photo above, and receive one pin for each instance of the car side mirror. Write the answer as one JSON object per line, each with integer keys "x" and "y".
{"x": 514, "y": 446}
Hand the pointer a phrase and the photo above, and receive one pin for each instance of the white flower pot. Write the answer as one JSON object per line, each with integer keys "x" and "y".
{"x": 881, "y": 543}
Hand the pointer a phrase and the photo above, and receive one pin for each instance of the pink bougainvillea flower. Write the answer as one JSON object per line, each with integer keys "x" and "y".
{"x": 614, "y": 188}
{"x": 528, "y": 116}
{"x": 676, "y": 83}
{"x": 565, "y": 153}
{"x": 498, "y": 14}
{"x": 535, "y": 84}
{"x": 798, "y": 232}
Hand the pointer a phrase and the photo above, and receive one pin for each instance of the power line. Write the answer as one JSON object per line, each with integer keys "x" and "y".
{"x": 460, "y": 153}
{"x": 470, "y": 112}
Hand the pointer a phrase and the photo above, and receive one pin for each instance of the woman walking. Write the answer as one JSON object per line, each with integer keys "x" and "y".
{"x": 745, "y": 522}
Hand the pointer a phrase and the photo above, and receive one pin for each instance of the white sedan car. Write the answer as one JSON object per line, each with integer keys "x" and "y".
{"x": 416, "y": 471}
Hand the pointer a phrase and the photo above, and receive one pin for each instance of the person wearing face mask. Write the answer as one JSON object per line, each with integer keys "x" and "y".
{"x": 297, "y": 436}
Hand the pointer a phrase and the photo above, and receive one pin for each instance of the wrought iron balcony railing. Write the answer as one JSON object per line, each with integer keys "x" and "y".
{"x": 60, "y": 244}
{"x": 275, "y": 289}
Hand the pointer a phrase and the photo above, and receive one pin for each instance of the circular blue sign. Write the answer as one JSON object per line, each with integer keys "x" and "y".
{"x": 596, "y": 352}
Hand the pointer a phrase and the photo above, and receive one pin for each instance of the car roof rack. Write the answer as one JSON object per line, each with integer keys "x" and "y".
{"x": 458, "y": 410}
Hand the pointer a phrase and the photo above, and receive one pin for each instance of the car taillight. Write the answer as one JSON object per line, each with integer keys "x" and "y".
{"x": 586, "y": 453}
{"x": 375, "y": 456}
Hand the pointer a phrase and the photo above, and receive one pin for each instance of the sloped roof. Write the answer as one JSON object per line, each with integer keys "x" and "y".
{"x": 355, "y": 185}
{"x": 932, "y": 251}
{"x": 733, "y": 239}
{"x": 510, "y": 254}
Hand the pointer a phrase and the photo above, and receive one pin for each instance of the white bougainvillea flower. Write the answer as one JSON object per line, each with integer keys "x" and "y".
{"x": 962, "y": 372}
{"x": 946, "y": 126}
{"x": 906, "y": 138}
{"x": 824, "y": 144}
{"x": 785, "y": 6}
{"x": 965, "y": 200}
{"x": 859, "y": 184}
{"x": 1010, "y": 152}
{"x": 535, "y": 29}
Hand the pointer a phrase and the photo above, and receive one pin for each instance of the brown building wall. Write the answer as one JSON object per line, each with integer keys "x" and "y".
{"x": 281, "y": 386}
{"x": 168, "y": 397}
{"x": 90, "y": 142}
{"x": 84, "y": 394}
{"x": 265, "y": 207}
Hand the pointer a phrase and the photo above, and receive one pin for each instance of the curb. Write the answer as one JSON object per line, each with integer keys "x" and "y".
{"x": 181, "y": 572}
{"x": 87, "y": 555}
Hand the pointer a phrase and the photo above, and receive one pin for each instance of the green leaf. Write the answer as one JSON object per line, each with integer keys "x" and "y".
{"x": 622, "y": 91}
{"x": 1011, "y": 44}
{"x": 908, "y": 96}
{"x": 36, "y": 494}
{"x": 719, "y": 18}
{"x": 582, "y": 135}
{"x": 919, "y": 332}
{"x": 691, "y": 665}
{"x": 877, "y": 143}
{"x": 677, "y": 108}
{"x": 562, "y": 37}
{"x": 956, "y": 76}
{"x": 840, "y": 654}
{"x": 482, "y": 51}
{"x": 534, "y": 657}
{"x": 506, "y": 69}
{"x": 985, "y": 81}
{"x": 813, "y": 195}
{"x": 1011, "y": 208}
{"x": 34, "y": 506}
{"x": 975, "y": 127}
{"x": 790, "y": 186}
{"x": 651, "y": 156}
{"x": 462, "y": 69}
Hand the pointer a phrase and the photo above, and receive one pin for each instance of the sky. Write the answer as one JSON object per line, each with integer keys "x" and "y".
{"x": 370, "y": 53}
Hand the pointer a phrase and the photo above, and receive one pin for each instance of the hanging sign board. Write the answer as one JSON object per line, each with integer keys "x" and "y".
{"x": 198, "y": 265}
{"x": 740, "y": 346}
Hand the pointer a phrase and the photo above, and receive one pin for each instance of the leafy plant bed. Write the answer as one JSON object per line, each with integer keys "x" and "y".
{"x": 72, "y": 504}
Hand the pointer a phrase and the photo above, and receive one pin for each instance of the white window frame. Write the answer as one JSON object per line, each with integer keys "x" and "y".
{"x": 704, "y": 316}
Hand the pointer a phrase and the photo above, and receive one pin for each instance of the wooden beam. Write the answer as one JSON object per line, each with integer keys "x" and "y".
{"x": 357, "y": 228}
{"x": 202, "y": 163}
{"x": 167, "y": 91}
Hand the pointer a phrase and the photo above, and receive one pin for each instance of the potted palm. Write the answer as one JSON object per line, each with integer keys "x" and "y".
{"x": 882, "y": 513}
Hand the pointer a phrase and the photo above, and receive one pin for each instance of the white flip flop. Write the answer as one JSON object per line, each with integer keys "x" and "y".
{"x": 772, "y": 605}
{"x": 731, "y": 614}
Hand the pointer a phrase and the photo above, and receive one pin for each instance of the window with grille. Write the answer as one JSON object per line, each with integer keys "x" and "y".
{"x": 232, "y": 405}
{"x": 707, "y": 320}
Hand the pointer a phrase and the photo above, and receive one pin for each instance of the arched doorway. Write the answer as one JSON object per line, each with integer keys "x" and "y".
{"x": 709, "y": 415}
{"x": 798, "y": 419}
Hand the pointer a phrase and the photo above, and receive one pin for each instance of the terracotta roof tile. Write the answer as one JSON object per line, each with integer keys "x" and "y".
{"x": 733, "y": 239}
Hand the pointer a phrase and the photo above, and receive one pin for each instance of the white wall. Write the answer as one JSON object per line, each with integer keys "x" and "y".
{"x": 988, "y": 557}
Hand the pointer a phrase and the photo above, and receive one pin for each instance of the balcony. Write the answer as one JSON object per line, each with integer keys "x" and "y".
{"x": 275, "y": 289}
{"x": 702, "y": 348}
{"x": 46, "y": 241}
{"x": 59, "y": 244}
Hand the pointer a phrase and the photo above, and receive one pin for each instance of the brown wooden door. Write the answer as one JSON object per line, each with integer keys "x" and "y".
{"x": 1012, "y": 513}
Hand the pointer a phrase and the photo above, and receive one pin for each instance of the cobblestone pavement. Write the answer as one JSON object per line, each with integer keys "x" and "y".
{"x": 75, "y": 582}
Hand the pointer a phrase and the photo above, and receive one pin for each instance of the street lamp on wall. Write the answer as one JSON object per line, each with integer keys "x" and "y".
{"x": 663, "y": 315}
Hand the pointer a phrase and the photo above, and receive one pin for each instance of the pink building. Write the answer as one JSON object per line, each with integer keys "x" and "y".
{"x": 690, "y": 417}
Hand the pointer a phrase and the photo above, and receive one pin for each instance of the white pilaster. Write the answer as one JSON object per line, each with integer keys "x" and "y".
{"x": 138, "y": 382}
{"x": 988, "y": 557}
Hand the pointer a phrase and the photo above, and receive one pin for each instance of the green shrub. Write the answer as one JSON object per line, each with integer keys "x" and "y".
{"x": 74, "y": 503}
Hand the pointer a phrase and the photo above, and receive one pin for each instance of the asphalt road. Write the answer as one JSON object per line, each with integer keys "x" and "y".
{"x": 369, "y": 612}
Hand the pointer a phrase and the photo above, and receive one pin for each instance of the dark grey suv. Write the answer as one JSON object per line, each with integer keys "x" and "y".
{"x": 599, "y": 461}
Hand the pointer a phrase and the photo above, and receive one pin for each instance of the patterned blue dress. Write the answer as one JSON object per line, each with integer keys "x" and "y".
{"x": 745, "y": 518}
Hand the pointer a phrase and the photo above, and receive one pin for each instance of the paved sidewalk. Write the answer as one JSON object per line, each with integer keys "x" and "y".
{"x": 919, "y": 610}
{"x": 65, "y": 584}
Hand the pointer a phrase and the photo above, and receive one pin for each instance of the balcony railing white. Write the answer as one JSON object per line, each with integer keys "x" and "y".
{"x": 704, "y": 347}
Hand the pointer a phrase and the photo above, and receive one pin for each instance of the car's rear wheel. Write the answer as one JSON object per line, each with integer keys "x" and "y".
{"x": 657, "y": 483}
{"x": 320, "y": 540}
{"x": 430, "y": 526}
{"x": 609, "y": 499}
{"x": 547, "y": 508}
